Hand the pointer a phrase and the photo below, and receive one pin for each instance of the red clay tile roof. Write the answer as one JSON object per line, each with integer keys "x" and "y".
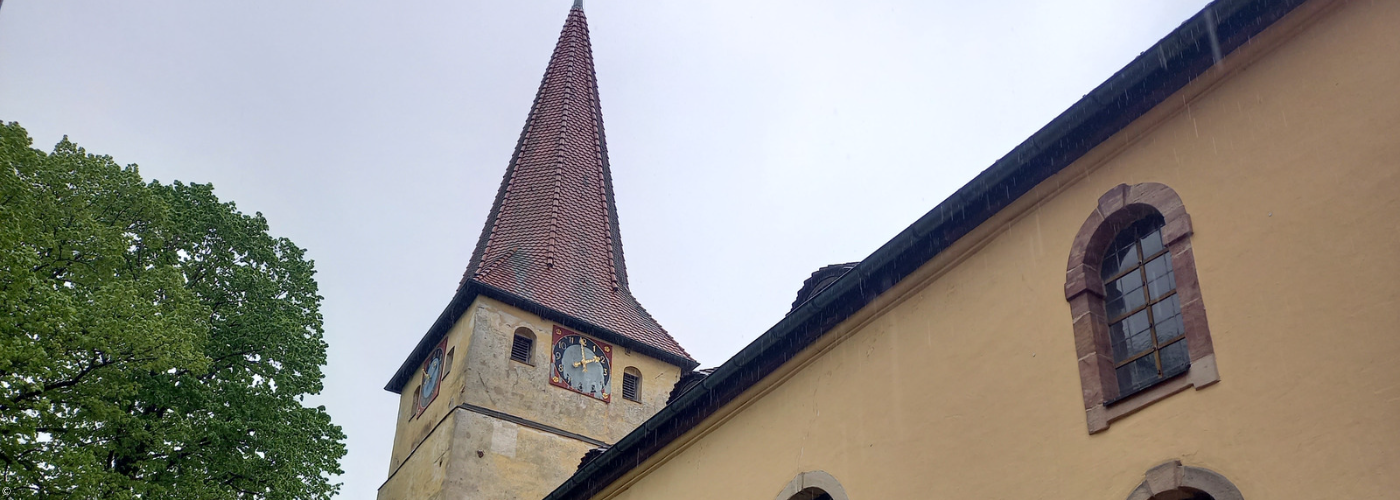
{"x": 552, "y": 234}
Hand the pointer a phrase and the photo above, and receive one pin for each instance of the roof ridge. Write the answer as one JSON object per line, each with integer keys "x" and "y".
{"x": 600, "y": 170}
{"x": 486, "y": 269}
{"x": 558, "y": 180}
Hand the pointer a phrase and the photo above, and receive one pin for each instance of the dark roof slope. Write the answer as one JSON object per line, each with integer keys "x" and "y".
{"x": 819, "y": 280}
{"x": 687, "y": 382}
{"x": 1188, "y": 51}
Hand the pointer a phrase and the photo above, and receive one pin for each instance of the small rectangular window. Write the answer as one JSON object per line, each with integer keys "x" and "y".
{"x": 630, "y": 387}
{"x": 521, "y": 349}
{"x": 447, "y": 363}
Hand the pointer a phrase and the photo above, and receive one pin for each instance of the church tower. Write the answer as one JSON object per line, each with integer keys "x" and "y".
{"x": 542, "y": 354}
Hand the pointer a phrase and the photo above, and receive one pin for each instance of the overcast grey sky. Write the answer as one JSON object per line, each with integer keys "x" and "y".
{"x": 751, "y": 142}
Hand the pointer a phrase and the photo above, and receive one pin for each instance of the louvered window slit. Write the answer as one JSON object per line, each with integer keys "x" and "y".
{"x": 521, "y": 348}
{"x": 630, "y": 386}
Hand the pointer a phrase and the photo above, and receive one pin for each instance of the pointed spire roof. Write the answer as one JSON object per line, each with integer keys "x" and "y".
{"x": 552, "y": 234}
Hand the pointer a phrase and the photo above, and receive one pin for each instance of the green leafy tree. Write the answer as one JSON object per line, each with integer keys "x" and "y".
{"x": 154, "y": 341}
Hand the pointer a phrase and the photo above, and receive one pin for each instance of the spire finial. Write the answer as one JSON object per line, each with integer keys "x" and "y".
{"x": 578, "y": 4}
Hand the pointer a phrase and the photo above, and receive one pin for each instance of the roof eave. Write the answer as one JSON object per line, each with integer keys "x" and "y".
{"x": 468, "y": 292}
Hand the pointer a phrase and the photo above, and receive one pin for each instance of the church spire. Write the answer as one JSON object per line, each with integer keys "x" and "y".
{"x": 552, "y": 235}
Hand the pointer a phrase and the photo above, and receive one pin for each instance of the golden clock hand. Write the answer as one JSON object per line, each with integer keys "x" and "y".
{"x": 583, "y": 361}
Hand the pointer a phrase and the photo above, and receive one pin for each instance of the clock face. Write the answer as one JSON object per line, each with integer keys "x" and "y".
{"x": 581, "y": 364}
{"x": 432, "y": 378}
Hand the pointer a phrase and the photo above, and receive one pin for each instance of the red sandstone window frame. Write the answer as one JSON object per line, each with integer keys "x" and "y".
{"x": 1084, "y": 290}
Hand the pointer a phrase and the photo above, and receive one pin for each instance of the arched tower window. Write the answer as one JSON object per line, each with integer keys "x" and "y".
{"x": 632, "y": 384}
{"x": 522, "y": 347}
{"x": 1140, "y": 328}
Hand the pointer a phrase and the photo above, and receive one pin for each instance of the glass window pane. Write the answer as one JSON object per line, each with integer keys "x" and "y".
{"x": 1175, "y": 359}
{"x": 1160, "y": 279}
{"x": 1119, "y": 258}
{"x": 1152, "y": 243}
{"x": 1167, "y": 316}
{"x": 1142, "y": 372}
{"x": 1123, "y": 295}
{"x": 1110, "y": 264}
{"x": 1148, "y": 224}
{"x": 1130, "y": 336}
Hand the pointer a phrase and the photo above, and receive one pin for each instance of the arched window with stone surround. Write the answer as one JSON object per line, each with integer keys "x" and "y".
{"x": 1174, "y": 481}
{"x": 1140, "y": 328}
{"x": 814, "y": 485}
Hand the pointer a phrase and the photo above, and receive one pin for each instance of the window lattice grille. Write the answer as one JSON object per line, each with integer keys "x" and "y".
{"x": 1144, "y": 313}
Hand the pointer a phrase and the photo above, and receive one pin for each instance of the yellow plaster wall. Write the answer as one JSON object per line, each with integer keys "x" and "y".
{"x": 962, "y": 382}
{"x": 435, "y": 452}
{"x": 411, "y": 431}
{"x": 421, "y": 476}
{"x": 493, "y": 458}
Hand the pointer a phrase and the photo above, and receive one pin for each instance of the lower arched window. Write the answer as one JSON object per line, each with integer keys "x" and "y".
{"x": 1174, "y": 481}
{"x": 814, "y": 485}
